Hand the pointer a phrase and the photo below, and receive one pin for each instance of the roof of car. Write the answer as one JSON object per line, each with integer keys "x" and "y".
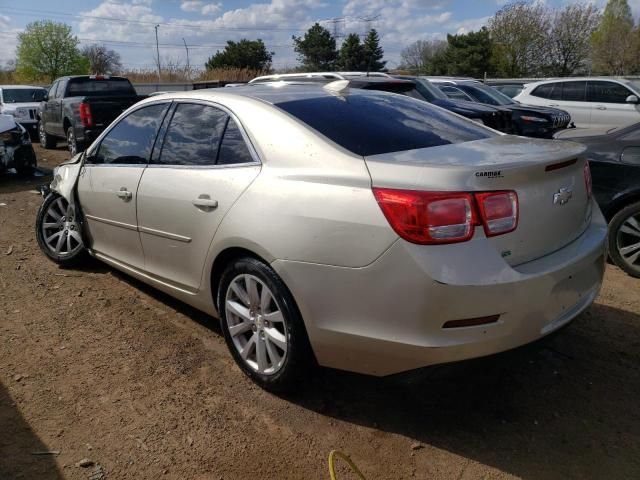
{"x": 327, "y": 75}
{"x": 582, "y": 79}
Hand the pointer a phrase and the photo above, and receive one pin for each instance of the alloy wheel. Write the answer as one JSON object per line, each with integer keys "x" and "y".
{"x": 628, "y": 241}
{"x": 256, "y": 324}
{"x": 60, "y": 230}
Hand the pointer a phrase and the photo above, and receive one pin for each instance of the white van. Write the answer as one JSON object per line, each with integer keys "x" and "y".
{"x": 592, "y": 102}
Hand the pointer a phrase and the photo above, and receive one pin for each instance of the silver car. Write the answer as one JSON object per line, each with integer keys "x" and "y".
{"x": 361, "y": 230}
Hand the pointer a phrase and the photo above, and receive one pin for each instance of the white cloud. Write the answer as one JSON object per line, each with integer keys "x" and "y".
{"x": 211, "y": 8}
{"x": 191, "y": 5}
{"x": 200, "y": 6}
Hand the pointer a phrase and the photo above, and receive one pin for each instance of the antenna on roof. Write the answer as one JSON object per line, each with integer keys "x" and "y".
{"x": 339, "y": 86}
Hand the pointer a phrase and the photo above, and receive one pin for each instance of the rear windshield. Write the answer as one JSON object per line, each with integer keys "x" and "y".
{"x": 22, "y": 95}
{"x": 370, "y": 124}
{"x": 79, "y": 87}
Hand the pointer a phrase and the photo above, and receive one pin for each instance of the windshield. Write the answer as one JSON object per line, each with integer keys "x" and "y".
{"x": 79, "y": 87}
{"x": 428, "y": 90}
{"x": 370, "y": 123}
{"x": 486, "y": 94}
{"x": 23, "y": 95}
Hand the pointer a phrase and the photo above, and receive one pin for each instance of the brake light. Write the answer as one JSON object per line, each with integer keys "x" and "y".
{"x": 587, "y": 179}
{"x": 85, "y": 115}
{"x": 499, "y": 212}
{"x": 430, "y": 218}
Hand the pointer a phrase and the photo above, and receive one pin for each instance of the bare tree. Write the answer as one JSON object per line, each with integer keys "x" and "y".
{"x": 520, "y": 35}
{"x": 102, "y": 59}
{"x": 615, "y": 41}
{"x": 570, "y": 38}
{"x": 419, "y": 55}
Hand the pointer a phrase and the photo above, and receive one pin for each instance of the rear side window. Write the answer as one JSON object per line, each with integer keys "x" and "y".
{"x": 573, "y": 91}
{"x": 607, "y": 92}
{"x": 131, "y": 140}
{"x": 552, "y": 91}
{"x": 233, "y": 148}
{"x": 193, "y": 135}
{"x": 456, "y": 93}
{"x": 371, "y": 123}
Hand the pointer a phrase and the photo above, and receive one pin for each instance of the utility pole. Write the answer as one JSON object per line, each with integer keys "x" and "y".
{"x": 158, "y": 53}
{"x": 188, "y": 68}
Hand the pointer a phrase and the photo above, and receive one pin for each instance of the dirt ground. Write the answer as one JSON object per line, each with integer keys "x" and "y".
{"x": 96, "y": 365}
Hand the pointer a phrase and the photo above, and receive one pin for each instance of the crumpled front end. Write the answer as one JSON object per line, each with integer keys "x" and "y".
{"x": 15, "y": 146}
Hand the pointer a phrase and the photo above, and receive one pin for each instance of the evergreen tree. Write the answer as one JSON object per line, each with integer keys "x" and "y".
{"x": 351, "y": 56}
{"x": 373, "y": 52}
{"x": 614, "y": 42}
{"x": 317, "y": 49}
{"x": 250, "y": 54}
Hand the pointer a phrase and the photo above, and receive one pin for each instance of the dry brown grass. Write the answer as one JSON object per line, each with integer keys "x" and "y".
{"x": 181, "y": 74}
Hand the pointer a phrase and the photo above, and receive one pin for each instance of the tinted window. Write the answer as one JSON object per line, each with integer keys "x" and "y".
{"x": 573, "y": 91}
{"x": 370, "y": 123}
{"x": 551, "y": 91}
{"x": 23, "y": 95}
{"x": 52, "y": 90}
{"x": 82, "y": 86}
{"x": 608, "y": 92}
{"x": 456, "y": 93}
{"x": 131, "y": 140}
{"x": 193, "y": 135}
{"x": 233, "y": 148}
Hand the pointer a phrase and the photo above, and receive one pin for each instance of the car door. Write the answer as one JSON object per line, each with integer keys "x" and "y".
{"x": 109, "y": 180}
{"x": 609, "y": 104}
{"x": 47, "y": 107}
{"x": 55, "y": 110}
{"x": 203, "y": 166}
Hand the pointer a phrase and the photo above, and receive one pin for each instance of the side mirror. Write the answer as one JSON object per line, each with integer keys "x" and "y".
{"x": 632, "y": 99}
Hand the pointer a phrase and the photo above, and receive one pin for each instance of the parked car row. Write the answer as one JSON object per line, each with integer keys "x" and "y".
{"x": 336, "y": 223}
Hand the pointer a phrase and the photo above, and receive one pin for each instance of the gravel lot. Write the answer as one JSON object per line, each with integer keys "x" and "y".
{"x": 95, "y": 365}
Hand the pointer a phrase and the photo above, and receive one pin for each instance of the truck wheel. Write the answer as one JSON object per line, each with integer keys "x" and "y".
{"x": 46, "y": 140}
{"x": 624, "y": 239}
{"x": 58, "y": 231}
{"x": 73, "y": 145}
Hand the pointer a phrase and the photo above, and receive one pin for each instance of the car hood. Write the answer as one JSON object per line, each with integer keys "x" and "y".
{"x": 14, "y": 106}
{"x": 460, "y": 106}
{"x": 522, "y": 108}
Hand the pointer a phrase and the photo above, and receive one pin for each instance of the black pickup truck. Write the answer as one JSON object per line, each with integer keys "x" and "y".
{"x": 77, "y": 109}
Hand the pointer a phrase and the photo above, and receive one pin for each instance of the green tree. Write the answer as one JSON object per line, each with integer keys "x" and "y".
{"x": 351, "y": 56}
{"x": 614, "y": 42}
{"x": 317, "y": 49}
{"x": 373, "y": 52}
{"x": 47, "y": 50}
{"x": 466, "y": 54}
{"x": 250, "y": 54}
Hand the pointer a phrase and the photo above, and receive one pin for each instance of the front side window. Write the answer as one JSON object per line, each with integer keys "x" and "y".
{"x": 370, "y": 123}
{"x": 573, "y": 91}
{"x": 193, "y": 136}
{"x": 551, "y": 91}
{"x": 131, "y": 140}
{"x": 52, "y": 90}
{"x": 608, "y": 92}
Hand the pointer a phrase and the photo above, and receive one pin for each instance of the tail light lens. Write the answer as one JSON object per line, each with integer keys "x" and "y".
{"x": 85, "y": 115}
{"x": 429, "y": 218}
{"x": 499, "y": 212}
{"x": 587, "y": 179}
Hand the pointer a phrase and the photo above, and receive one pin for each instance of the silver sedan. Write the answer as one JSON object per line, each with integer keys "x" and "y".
{"x": 361, "y": 230}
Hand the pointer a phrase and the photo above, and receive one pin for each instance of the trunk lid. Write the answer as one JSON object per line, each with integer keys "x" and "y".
{"x": 548, "y": 177}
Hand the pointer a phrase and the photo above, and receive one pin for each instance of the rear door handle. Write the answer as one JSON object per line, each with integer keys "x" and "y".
{"x": 205, "y": 201}
{"x": 601, "y": 107}
{"x": 124, "y": 194}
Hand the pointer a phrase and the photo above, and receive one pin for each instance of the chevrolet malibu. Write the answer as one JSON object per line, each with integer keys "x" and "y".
{"x": 358, "y": 229}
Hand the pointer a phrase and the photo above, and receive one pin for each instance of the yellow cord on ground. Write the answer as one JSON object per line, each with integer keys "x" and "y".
{"x": 332, "y": 459}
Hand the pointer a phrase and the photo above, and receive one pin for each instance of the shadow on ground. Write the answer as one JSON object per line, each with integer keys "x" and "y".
{"x": 18, "y": 443}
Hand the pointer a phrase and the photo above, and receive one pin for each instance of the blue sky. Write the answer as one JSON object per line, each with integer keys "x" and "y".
{"x": 128, "y": 25}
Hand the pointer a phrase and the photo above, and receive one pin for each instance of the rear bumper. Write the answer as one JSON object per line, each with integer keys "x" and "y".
{"x": 387, "y": 317}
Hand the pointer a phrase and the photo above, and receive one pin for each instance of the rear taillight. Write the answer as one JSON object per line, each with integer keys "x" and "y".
{"x": 429, "y": 218}
{"x": 587, "y": 179}
{"x": 85, "y": 115}
{"x": 499, "y": 212}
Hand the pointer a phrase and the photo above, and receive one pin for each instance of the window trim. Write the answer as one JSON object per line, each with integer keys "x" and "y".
{"x": 95, "y": 146}
{"x": 232, "y": 116}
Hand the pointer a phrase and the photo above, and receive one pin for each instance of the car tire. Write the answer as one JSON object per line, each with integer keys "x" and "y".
{"x": 46, "y": 140}
{"x": 73, "y": 145}
{"x": 624, "y": 233}
{"x": 263, "y": 329}
{"x": 59, "y": 231}
{"x": 26, "y": 161}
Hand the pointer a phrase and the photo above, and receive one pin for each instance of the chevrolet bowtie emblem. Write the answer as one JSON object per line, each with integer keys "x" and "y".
{"x": 562, "y": 196}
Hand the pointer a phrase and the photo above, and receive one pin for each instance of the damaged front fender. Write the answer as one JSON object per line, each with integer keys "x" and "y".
{"x": 65, "y": 177}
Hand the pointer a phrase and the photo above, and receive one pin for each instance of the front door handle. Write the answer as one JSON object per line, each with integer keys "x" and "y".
{"x": 124, "y": 194}
{"x": 601, "y": 107}
{"x": 554, "y": 104}
{"x": 205, "y": 201}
